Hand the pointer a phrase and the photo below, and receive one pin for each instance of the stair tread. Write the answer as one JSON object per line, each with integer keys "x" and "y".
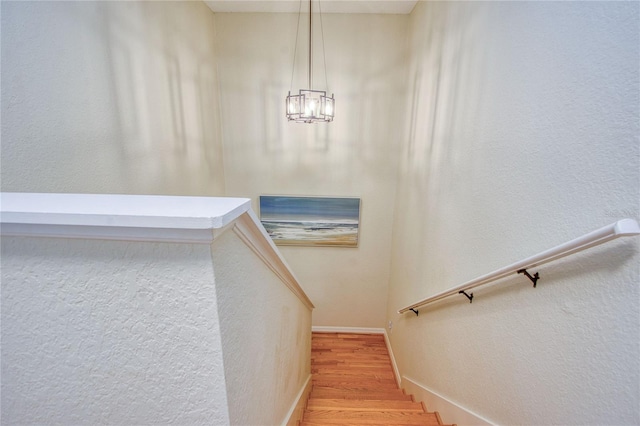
{"x": 370, "y": 417}
{"x": 360, "y": 423}
{"x": 369, "y": 373}
{"x": 345, "y": 369}
{"x": 355, "y": 360}
{"x": 353, "y": 384}
{"x": 347, "y": 357}
{"x": 366, "y": 375}
{"x": 388, "y": 422}
{"x": 363, "y": 405}
{"x": 346, "y": 382}
{"x": 351, "y": 346}
{"x": 363, "y": 397}
{"x": 330, "y": 392}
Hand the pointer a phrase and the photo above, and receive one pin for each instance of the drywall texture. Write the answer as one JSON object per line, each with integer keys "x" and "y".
{"x": 356, "y": 155}
{"x": 523, "y": 134}
{"x": 266, "y": 335}
{"x": 110, "y": 97}
{"x": 100, "y": 332}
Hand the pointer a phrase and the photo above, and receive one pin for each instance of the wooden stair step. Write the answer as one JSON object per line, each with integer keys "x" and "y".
{"x": 353, "y": 384}
{"x": 329, "y": 363}
{"x": 350, "y": 352}
{"x": 341, "y": 347}
{"x": 368, "y": 385}
{"x": 351, "y": 360}
{"x": 349, "y": 357}
{"x": 348, "y": 363}
{"x": 344, "y": 339}
{"x": 351, "y": 344}
{"x": 329, "y": 347}
{"x": 346, "y": 379}
{"x": 358, "y": 393}
{"x": 357, "y": 375}
{"x": 367, "y": 372}
{"x": 331, "y": 417}
{"x": 347, "y": 338}
{"x": 364, "y": 405}
{"x": 360, "y": 423}
{"x": 373, "y": 365}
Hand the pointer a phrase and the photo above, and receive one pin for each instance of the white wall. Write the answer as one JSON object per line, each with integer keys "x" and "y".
{"x": 110, "y": 97}
{"x": 356, "y": 155}
{"x": 110, "y": 332}
{"x": 265, "y": 332}
{"x": 523, "y": 134}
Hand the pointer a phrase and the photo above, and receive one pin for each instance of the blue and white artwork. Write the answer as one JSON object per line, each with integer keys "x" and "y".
{"x": 315, "y": 221}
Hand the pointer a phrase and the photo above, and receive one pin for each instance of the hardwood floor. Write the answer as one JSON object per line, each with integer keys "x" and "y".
{"x": 354, "y": 384}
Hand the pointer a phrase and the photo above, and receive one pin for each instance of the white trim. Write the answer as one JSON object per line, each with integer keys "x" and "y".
{"x": 396, "y": 371}
{"x": 357, "y": 330}
{"x": 196, "y": 220}
{"x": 296, "y": 412}
{"x": 190, "y": 220}
{"x": 253, "y": 234}
{"x": 450, "y": 412}
{"x": 185, "y": 236}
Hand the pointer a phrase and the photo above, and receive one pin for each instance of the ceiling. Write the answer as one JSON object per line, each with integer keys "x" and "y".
{"x": 328, "y": 6}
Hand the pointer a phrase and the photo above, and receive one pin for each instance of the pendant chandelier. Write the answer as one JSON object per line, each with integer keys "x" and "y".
{"x": 310, "y": 106}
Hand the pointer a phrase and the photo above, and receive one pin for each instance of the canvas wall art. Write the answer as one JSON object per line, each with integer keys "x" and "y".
{"x": 311, "y": 221}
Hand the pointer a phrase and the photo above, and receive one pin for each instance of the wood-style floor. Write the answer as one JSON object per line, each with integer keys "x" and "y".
{"x": 354, "y": 384}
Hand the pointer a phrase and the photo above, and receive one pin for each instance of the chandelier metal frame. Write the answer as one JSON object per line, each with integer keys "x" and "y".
{"x": 310, "y": 106}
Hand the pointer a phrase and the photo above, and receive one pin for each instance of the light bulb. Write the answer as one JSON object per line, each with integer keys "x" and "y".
{"x": 328, "y": 108}
{"x": 311, "y": 106}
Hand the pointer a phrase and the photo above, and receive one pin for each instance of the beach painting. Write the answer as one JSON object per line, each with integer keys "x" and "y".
{"x": 311, "y": 221}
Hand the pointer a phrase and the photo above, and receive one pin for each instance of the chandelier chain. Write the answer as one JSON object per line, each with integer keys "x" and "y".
{"x": 310, "y": 85}
{"x": 324, "y": 56}
{"x": 295, "y": 46}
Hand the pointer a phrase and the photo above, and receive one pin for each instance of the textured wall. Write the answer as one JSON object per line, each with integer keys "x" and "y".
{"x": 110, "y": 97}
{"x": 98, "y": 332}
{"x": 356, "y": 155}
{"x": 523, "y": 134}
{"x": 266, "y": 335}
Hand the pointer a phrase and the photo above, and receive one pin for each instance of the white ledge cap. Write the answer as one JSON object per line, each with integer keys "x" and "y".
{"x": 57, "y": 214}
{"x": 627, "y": 227}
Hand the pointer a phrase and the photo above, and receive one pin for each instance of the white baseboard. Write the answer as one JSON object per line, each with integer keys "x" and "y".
{"x": 299, "y": 404}
{"x": 450, "y": 412}
{"x": 396, "y": 371}
{"x": 360, "y": 330}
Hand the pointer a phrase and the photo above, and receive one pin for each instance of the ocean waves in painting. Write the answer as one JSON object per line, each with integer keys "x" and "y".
{"x": 322, "y": 232}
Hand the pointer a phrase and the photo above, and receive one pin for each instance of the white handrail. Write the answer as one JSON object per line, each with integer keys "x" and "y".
{"x": 621, "y": 228}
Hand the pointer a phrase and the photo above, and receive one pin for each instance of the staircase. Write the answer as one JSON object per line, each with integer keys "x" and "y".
{"x": 353, "y": 384}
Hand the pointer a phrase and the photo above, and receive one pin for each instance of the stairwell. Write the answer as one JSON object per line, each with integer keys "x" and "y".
{"x": 353, "y": 383}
